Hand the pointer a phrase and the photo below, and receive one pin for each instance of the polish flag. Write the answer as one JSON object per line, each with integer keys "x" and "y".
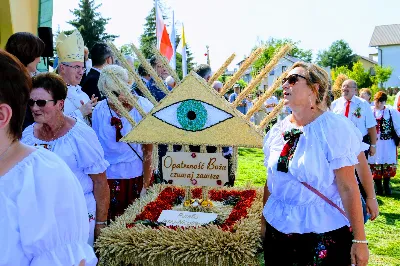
{"x": 163, "y": 42}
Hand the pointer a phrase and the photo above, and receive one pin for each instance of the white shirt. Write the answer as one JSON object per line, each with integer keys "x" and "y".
{"x": 386, "y": 149}
{"x": 73, "y": 101}
{"x": 271, "y": 100}
{"x": 88, "y": 65}
{"x": 365, "y": 121}
{"x": 82, "y": 152}
{"x": 124, "y": 163}
{"x": 328, "y": 143}
{"x": 43, "y": 218}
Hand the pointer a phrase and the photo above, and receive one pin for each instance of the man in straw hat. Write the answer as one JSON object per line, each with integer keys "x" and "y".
{"x": 70, "y": 50}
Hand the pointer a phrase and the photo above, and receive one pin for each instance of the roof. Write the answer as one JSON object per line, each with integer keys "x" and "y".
{"x": 368, "y": 59}
{"x": 385, "y": 35}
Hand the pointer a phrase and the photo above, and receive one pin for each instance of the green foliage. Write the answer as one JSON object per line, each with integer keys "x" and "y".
{"x": 149, "y": 38}
{"x": 90, "y": 23}
{"x": 382, "y": 74}
{"x": 242, "y": 83}
{"x": 126, "y": 49}
{"x": 338, "y": 54}
{"x": 357, "y": 73}
{"x": 272, "y": 45}
{"x": 361, "y": 76}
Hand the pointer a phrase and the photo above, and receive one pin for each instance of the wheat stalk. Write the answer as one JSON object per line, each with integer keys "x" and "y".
{"x": 132, "y": 74}
{"x": 260, "y": 102}
{"x": 165, "y": 63}
{"x": 221, "y": 70}
{"x": 271, "y": 115}
{"x": 246, "y": 64}
{"x": 159, "y": 82}
{"x": 272, "y": 63}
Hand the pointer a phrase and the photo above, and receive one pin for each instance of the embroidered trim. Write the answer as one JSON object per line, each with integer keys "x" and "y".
{"x": 292, "y": 138}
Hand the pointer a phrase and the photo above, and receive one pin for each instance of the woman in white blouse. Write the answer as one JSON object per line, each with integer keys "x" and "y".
{"x": 130, "y": 171}
{"x": 311, "y": 196}
{"x": 72, "y": 140}
{"x": 384, "y": 163}
{"x": 43, "y": 218}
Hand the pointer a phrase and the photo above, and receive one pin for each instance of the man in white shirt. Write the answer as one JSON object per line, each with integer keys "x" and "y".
{"x": 270, "y": 103}
{"x": 70, "y": 50}
{"x": 358, "y": 111}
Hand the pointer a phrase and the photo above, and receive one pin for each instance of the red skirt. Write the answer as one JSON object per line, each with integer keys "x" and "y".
{"x": 123, "y": 192}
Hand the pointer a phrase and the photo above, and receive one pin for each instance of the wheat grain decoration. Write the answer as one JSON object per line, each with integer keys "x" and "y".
{"x": 271, "y": 115}
{"x": 265, "y": 71}
{"x": 221, "y": 70}
{"x": 149, "y": 69}
{"x": 246, "y": 64}
{"x": 165, "y": 63}
{"x": 267, "y": 94}
{"x": 132, "y": 74}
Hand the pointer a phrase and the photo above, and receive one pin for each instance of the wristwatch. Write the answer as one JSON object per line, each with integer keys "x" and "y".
{"x": 373, "y": 145}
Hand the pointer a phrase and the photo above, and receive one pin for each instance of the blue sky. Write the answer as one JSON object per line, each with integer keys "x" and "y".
{"x": 233, "y": 26}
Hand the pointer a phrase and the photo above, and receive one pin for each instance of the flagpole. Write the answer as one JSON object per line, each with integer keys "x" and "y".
{"x": 157, "y": 33}
{"x": 173, "y": 42}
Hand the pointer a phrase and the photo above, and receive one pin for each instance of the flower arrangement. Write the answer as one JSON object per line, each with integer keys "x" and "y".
{"x": 137, "y": 238}
{"x": 357, "y": 112}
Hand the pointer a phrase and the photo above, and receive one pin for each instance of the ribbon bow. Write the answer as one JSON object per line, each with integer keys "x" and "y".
{"x": 292, "y": 138}
{"x": 117, "y": 123}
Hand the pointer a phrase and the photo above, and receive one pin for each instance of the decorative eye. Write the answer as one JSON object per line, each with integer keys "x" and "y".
{"x": 192, "y": 115}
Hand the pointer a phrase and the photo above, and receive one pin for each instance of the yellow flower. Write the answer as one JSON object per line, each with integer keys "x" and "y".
{"x": 186, "y": 203}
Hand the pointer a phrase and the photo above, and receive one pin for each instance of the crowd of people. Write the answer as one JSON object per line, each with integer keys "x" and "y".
{"x": 64, "y": 174}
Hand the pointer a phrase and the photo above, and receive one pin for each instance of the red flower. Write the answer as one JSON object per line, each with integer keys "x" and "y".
{"x": 196, "y": 193}
{"x": 219, "y": 182}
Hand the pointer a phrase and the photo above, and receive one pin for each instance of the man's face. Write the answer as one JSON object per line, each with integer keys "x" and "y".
{"x": 237, "y": 90}
{"x": 348, "y": 89}
{"x": 161, "y": 70}
{"x": 72, "y": 72}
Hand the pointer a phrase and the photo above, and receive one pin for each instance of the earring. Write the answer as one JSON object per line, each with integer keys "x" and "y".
{"x": 311, "y": 104}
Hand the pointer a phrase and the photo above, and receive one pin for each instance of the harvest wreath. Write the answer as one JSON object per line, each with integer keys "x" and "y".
{"x": 232, "y": 239}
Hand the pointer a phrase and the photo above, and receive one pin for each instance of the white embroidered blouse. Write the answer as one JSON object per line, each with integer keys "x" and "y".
{"x": 328, "y": 143}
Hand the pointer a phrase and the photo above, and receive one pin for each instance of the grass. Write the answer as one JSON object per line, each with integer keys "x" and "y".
{"x": 383, "y": 234}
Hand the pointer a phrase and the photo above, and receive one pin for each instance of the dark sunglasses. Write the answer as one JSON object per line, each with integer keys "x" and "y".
{"x": 292, "y": 79}
{"x": 40, "y": 103}
{"x": 116, "y": 94}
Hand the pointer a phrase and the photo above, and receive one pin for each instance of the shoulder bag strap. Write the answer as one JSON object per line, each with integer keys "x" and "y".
{"x": 322, "y": 196}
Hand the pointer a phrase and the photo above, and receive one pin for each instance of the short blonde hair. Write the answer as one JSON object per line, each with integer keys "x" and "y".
{"x": 366, "y": 90}
{"x": 316, "y": 75}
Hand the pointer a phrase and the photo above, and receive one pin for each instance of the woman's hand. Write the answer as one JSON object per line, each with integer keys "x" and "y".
{"x": 359, "y": 254}
{"x": 372, "y": 208}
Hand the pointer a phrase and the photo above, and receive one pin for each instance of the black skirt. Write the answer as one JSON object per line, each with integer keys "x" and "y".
{"x": 310, "y": 249}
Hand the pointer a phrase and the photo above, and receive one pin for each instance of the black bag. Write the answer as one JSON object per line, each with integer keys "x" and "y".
{"x": 393, "y": 133}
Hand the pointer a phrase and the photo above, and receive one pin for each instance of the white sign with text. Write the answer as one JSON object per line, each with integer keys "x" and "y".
{"x": 183, "y": 218}
{"x": 195, "y": 169}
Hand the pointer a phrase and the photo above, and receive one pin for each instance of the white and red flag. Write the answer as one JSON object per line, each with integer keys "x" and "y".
{"x": 163, "y": 42}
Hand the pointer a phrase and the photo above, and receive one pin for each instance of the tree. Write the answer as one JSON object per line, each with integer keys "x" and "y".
{"x": 338, "y": 54}
{"x": 126, "y": 49}
{"x": 382, "y": 74}
{"x": 149, "y": 39}
{"x": 357, "y": 73}
{"x": 272, "y": 45}
{"x": 90, "y": 23}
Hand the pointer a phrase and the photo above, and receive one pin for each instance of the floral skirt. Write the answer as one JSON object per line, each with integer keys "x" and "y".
{"x": 123, "y": 192}
{"x": 310, "y": 249}
{"x": 380, "y": 171}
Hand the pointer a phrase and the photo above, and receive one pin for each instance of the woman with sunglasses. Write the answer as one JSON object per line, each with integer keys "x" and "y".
{"x": 43, "y": 212}
{"x": 73, "y": 141}
{"x": 311, "y": 196}
{"x": 129, "y": 172}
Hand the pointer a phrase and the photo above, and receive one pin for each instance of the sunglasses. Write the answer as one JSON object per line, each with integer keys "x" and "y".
{"x": 292, "y": 79}
{"x": 40, "y": 103}
{"x": 116, "y": 94}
